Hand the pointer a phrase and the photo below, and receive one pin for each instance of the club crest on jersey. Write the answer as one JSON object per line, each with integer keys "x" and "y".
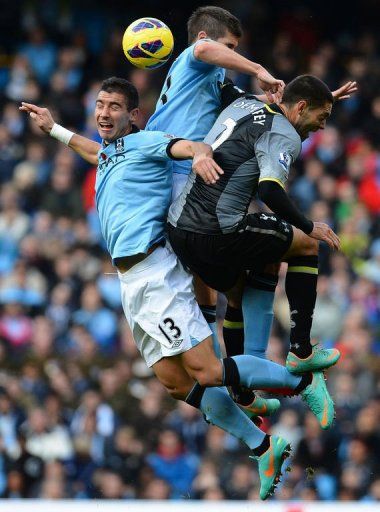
{"x": 119, "y": 145}
{"x": 285, "y": 160}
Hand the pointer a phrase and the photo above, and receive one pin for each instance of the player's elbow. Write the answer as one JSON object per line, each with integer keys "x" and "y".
{"x": 94, "y": 159}
{"x": 202, "y": 50}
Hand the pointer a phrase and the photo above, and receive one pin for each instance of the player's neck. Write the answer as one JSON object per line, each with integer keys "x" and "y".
{"x": 290, "y": 114}
{"x": 283, "y": 109}
{"x": 132, "y": 128}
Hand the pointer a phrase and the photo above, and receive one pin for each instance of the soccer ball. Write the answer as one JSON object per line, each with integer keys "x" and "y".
{"x": 148, "y": 43}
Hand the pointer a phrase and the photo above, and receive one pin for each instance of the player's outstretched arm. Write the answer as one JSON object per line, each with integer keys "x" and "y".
{"x": 343, "y": 93}
{"x": 218, "y": 54}
{"x": 202, "y": 155}
{"x": 86, "y": 148}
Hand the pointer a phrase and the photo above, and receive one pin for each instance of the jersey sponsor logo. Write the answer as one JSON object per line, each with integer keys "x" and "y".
{"x": 285, "y": 160}
{"x": 171, "y": 332}
{"x": 103, "y": 166}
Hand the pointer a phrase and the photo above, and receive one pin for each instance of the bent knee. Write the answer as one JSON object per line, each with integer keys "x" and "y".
{"x": 311, "y": 246}
{"x": 210, "y": 376}
{"x": 305, "y": 245}
{"x": 178, "y": 392}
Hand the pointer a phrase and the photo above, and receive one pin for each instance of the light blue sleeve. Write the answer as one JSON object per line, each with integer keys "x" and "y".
{"x": 195, "y": 63}
{"x": 154, "y": 145}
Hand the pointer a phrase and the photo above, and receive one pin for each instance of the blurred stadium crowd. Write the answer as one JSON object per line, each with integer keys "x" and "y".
{"x": 80, "y": 415}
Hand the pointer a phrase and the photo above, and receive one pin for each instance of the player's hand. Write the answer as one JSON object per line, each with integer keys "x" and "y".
{"x": 204, "y": 165}
{"x": 269, "y": 84}
{"x": 323, "y": 232}
{"x": 345, "y": 91}
{"x": 40, "y": 115}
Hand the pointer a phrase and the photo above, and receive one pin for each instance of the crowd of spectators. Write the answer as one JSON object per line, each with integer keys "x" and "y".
{"x": 80, "y": 414}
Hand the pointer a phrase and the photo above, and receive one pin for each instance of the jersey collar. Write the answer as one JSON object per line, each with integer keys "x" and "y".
{"x": 275, "y": 108}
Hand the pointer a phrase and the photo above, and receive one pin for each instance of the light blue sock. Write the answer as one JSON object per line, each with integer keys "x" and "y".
{"x": 258, "y": 317}
{"x": 220, "y": 410}
{"x": 215, "y": 341}
{"x": 209, "y": 312}
{"x": 258, "y": 373}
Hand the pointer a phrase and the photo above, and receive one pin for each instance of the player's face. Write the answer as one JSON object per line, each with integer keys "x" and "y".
{"x": 312, "y": 119}
{"x": 113, "y": 120}
{"x": 229, "y": 40}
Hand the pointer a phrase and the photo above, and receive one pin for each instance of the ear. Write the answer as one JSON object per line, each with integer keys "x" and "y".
{"x": 134, "y": 114}
{"x": 201, "y": 35}
{"x": 301, "y": 107}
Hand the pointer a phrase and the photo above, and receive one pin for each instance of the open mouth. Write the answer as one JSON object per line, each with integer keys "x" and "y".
{"x": 105, "y": 126}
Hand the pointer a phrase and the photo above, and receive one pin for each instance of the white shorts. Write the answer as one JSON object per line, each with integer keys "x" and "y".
{"x": 179, "y": 182}
{"x": 159, "y": 303}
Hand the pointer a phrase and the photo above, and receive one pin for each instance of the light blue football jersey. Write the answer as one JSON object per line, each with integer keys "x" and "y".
{"x": 133, "y": 190}
{"x": 189, "y": 101}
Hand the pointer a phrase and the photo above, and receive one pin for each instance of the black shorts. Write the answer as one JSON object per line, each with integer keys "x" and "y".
{"x": 219, "y": 259}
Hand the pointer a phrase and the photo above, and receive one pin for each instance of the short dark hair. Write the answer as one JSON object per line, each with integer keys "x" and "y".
{"x": 308, "y": 88}
{"x": 122, "y": 86}
{"x": 215, "y": 21}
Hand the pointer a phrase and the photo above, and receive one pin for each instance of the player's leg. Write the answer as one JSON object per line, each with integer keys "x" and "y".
{"x": 255, "y": 292}
{"x": 201, "y": 362}
{"x": 256, "y": 373}
{"x": 258, "y": 317}
{"x": 206, "y": 298}
{"x": 166, "y": 321}
{"x": 219, "y": 409}
{"x": 301, "y": 290}
{"x": 215, "y": 402}
{"x": 265, "y": 238}
{"x": 233, "y": 323}
{"x": 238, "y": 341}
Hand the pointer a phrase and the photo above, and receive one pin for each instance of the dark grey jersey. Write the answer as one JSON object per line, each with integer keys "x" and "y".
{"x": 252, "y": 142}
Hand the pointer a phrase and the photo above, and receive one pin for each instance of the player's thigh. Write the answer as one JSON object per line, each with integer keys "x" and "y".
{"x": 173, "y": 376}
{"x": 202, "y": 364}
{"x": 262, "y": 239}
{"x": 302, "y": 245}
{"x": 205, "y": 295}
{"x": 198, "y": 253}
{"x": 235, "y": 295}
